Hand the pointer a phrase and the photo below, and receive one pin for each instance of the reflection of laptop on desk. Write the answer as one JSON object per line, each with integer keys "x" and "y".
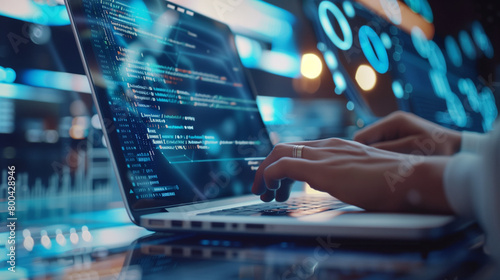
{"x": 185, "y": 133}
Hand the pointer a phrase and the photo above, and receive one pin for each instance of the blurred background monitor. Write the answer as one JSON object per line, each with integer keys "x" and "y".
{"x": 321, "y": 69}
{"x": 388, "y": 55}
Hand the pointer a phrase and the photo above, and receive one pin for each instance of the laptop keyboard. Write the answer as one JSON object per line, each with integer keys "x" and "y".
{"x": 296, "y": 207}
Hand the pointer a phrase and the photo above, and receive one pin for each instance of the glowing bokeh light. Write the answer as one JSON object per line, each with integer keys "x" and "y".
{"x": 397, "y": 89}
{"x": 28, "y": 242}
{"x": 468, "y": 88}
{"x": 440, "y": 83}
{"x": 7, "y": 75}
{"x": 386, "y": 39}
{"x": 456, "y": 110}
{"x": 60, "y": 239}
{"x": 45, "y": 240}
{"x": 311, "y": 66}
{"x": 482, "y": 40}
{"x": 37, "y": 13}
{"x": 350, "y": 106}
{"x": 56, "y": 80}
{"x": 3, "y": 74}
{"x": 392, "y": 10}
{"x": 421, "y": 7}
{"x": 453, "y": 51}
{"x": 467, "y": 45}
{"x": 366, "y": 77}
{"x": 489, "y": 110}
{"x": 96, "y": 123}
{"x": 280, "y": 63}
{"x": 349, "y": 9}
{"x": 436, "y": 57}
{"x": 420, "y": 43}
{"x": 86, "y": 235}
{"x": 250, "y": 51}
{"x": 331, "y": 60}
{"x": 340, "y": 83}
{"x": 73, "y": 236}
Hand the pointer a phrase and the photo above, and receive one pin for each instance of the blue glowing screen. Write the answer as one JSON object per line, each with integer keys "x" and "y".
{"x": 415, "y": 70}
{"x": 183, "y": 122}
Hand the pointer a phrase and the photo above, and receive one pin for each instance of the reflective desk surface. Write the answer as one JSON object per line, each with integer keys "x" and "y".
{"x": 105, "y": 245}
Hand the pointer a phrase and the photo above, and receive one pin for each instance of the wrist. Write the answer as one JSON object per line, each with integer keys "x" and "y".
{"x": 456, "y": 142}
{"x": 425, "y": 190}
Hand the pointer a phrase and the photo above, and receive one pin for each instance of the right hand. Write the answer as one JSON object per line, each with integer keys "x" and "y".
{"x": 407, "y": 133}
{"x": 367, "y": 177}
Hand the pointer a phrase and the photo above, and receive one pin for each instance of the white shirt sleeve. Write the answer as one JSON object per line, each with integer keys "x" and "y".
{"x": 472, "y": 183}
{"x": 473, "y": 141}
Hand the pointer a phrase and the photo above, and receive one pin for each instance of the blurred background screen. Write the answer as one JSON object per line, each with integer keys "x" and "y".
{"x": 321, "y": 69}
{"x": 387, "y": 55}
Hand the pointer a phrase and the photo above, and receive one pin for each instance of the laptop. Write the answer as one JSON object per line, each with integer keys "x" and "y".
{"x": 185, "y": 135}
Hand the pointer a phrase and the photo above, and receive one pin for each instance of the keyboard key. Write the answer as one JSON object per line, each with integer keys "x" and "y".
{"x": 296, "y": 208}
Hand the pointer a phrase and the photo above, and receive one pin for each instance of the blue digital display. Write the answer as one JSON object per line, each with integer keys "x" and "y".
{"x": 482, "y": 40}
{"x": 432, "y": 76}
{"x": 374, "y": 49}
{"x": 386, "y": 39}
{"x": 340, "y": 83}
{"x": 185, "y": 123}
{"x": 323, "y": 11}
{"x": 421, "y": 7}
{"x": 331, "y": 60}
{"x": 398, "y": 90}
{"x": 349, "y": 9}
{"x": 467, "y": 44}
{"x": 453, "y": 51}
{"x": 7, "y": 75}
{"x": 392, "y": 10}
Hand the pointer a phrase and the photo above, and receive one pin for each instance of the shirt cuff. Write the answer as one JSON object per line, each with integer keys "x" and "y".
{"x": 472, "y": 141}
{"x": 458, "y": 181}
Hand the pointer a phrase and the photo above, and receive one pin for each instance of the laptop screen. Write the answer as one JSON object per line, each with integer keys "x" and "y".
{"x": 181, "y": 118}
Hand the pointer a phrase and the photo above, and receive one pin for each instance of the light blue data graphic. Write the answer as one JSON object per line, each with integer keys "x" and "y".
{"x": 438, "y": 76}
{"x": 412, "y": 66}
{"x": 386, "y": 39}
{"x": 420, "y": 43}
{"x": 349, "y": 9}
{"x": 7, "y": 75}
{"x": 328, "y": 7}
{"x": 456, "y": 110}
{"x": 392, "y": 10}
{"x": 467, "y": 87}
{"x": 467, "y": 44}
{"x": 489, "y": 110}
{"x": 331, "y": 60}
{"x": 453, "y": 51}
{"x": 340, "y": 83}
{"x": 482, "y": 40}
{"x": 421, "y": 7}
{"x": 374, "y": 49}
{"x": 436, "y": 57}
{"x": 397, "y": 89}
{"x": 350, "y": 106}
{"x": 440, "y": 83}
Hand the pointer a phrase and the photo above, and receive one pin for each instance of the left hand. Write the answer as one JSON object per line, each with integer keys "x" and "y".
{"x": 357, "y": 174}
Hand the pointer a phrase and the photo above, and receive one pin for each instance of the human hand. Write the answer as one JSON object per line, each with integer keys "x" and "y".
{"x": 357, "y": 174}
{"x": 406, "y": 133}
